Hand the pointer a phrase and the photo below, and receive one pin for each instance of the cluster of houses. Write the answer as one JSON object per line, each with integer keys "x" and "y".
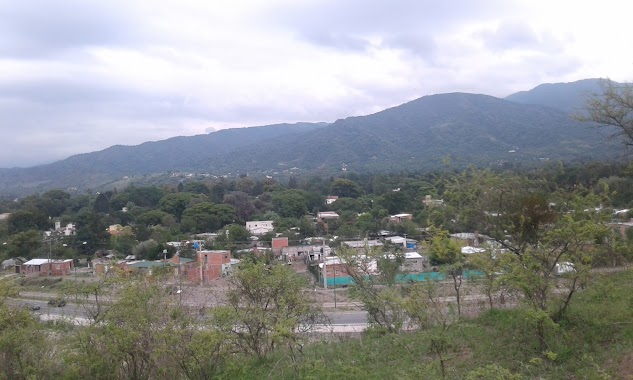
{"x": 210, "y": 265}
{"x": 207, "y": 266}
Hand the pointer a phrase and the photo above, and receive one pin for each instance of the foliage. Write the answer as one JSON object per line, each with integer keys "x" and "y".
{"x": 266, "y": 309}
{"x": 613, "y": 108}
{"x": 345, "y": 188}
{"x": 207, "y": 216}
{"x": 289, "y": 203}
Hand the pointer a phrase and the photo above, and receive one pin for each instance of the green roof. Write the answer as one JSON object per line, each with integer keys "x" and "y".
{"x": 148, "y": 264}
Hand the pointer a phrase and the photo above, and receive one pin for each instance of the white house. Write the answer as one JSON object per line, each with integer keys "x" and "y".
{"x": 324, "y": 215}
{"x": 260, "y": 227}
{"x": 331, "y": 199}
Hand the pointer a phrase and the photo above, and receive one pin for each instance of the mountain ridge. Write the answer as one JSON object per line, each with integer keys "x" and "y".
{"x": 418, "y": 135}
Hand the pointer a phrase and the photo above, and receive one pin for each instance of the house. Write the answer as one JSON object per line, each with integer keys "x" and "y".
{"x": 45, "y": 267}
{"x": 468, "y": 250}
{"x": 430, "y": 202}
{"x": 404, "y": 242}
{"x": 333, "y": 271}
{"x": 314, "y": 253}
{"x": 399, "y": 218}
{"x": 327, "y": 215}
{"x": 414, "y": 263}
{"x": 296, "y": 252}
{"x": 146, "y": 267}
{"x": 330, "y": 199}
{"x": 473, "y": 239}
{"x": 69, "y": 230}
{"x": 359, "y": 244}
{"x": 5, "y": 215}
{"x": 260, "y": 227}
{"x": 13, "y": 264}
{"x": 119, "y": 230}
{"x": 278, "y": 244}
{"x": 211, "y": 265}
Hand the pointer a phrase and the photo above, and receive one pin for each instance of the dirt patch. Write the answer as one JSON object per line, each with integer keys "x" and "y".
{"x": 625, "y": 369}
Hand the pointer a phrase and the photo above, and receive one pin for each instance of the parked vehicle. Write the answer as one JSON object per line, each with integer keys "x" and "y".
{"x": 31, "y": 306}
{"x": 564, "y": 267}
{"x": 58, "y": 302}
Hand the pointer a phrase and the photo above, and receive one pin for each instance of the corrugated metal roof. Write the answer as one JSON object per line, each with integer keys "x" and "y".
{"x": 36, "y": 262}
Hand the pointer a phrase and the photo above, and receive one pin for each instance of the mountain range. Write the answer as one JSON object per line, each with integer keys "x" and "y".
{"x": 526, "y": 127}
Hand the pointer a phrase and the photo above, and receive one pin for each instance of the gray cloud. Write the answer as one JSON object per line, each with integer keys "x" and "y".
{"x": 394, "y": 19}
{"x": 519, "y": 35}
{"x": 41, "y": 28}
{"x": 82, "y": 75}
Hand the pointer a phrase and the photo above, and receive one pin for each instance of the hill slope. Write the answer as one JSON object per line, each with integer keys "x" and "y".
{"x": 418, "y": 135}
{"x": 568, "y": 97}
{"x": 471, "y": 129}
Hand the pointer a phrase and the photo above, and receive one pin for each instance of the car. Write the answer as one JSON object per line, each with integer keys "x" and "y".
{"x": 31, "y": 306}
{"x": 58, "y": 302}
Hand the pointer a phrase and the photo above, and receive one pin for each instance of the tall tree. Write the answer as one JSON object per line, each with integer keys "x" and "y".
{"x": 267, "y": 310}
{"x": 613, "y": 107}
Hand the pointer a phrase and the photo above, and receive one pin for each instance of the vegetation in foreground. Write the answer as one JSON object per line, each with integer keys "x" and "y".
{"x": 145, "y": 334}
{"x": 593, "y": 341}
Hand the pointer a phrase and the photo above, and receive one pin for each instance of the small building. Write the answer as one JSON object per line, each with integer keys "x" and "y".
{"x": 146, "y": 267}
{"x": 331, "y": 199}
{"x": 359, "y": 244}
{"x": 414, "y": 263}
{"x": 119, "y": 230}
{"x": 278, "y": 244}
{"x": 404, "y": 242}
{"x": 327, "y": 215}
{"x": 333, "y": 271}
{"x": 473, "y": 239}
{"x": 260, "y": 227}
{"x": 399, "y": 218}
{"x": 296, "y": 252}
{"x": 211, "y": 265}
{"x": 42, "y": 267}
{"x": 430, "y": 202}
{"x": 12, "y": 263}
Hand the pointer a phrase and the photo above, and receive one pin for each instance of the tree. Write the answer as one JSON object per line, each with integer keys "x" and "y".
{"x": 207, "y": 216}
{"x": 23, "y": 346}
{"x": 345, "y": 188}
{"x": 267, "y": 309}
{"x": 612, "y": 108}
{"x": 290, "y": 203}
{"x": 374, "y": 275}
{"x": 175, "y": 204}
{"x": 446, "y": 252}
{"x": 21, "y": 221}
{"x": 136, "y": 337}
{"x": 155, "y": 218}
{"x": 24, "y": 244}
{"x": 197, "y": 188}
{"x": 244, "y": 207}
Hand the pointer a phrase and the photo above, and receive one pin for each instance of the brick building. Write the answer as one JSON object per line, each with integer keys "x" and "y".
{"x": 209, "y": 266}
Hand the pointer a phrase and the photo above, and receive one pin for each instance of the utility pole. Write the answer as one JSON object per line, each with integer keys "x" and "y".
{"x": 324, "y": 264}
{"x": 50, "y": 253}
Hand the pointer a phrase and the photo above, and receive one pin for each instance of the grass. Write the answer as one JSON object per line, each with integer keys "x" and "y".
{"x": 594, "y": 341}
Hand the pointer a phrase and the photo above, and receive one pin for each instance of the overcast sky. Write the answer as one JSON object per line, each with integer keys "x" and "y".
{"x": 81, "y": 75}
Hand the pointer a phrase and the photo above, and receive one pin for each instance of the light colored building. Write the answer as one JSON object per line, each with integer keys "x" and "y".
{"x": 398, "y": 218}
{"x": 40, "y": 267}
{"x": 331, "y": 199}
{"x": 414, "y": 263}
{"x": 362, "y": 243}
{"x": 327, "y": 215}
{"x": 260, "y": 227}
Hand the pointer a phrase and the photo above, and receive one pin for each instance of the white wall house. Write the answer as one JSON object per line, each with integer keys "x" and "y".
{"x": 260, "y": 227}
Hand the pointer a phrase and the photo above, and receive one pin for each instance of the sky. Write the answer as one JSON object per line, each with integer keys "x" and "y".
{"x": 78, "y": 76}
